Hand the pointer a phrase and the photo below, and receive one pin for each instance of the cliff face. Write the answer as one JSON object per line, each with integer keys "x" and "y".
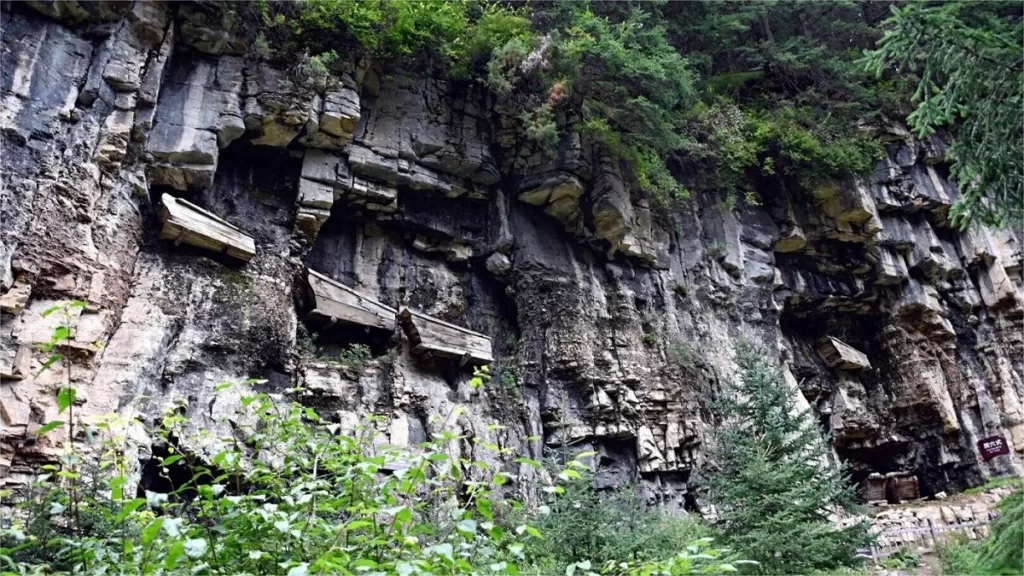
{"x": 611, "y": 323}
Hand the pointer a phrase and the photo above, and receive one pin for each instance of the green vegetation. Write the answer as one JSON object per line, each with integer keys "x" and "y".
{"x": 969, "y": 59}
{"x": 902, "y": 559}
{"x": 1001, "y": 552}
{"x": 957, "y": 555}
{"x": 584, "y": 525}
{"x": 998, "y": 554}
{"x": 776, "y": 486}
{"x": 354, "y": 357}
{"x": 683, "y": 355}
{"x": 731, "y": 97}
{"x": 290, "y": 492}
{"x": 1013, "y": 481}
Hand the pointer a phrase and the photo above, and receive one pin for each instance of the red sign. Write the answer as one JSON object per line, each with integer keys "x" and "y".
{"x": 992, "y": 446}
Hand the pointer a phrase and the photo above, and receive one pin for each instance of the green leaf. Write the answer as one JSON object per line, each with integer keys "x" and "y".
{"x": 172, "y": 526}
{"x": 117, "y": 488}
{"x": 568, "y": 474}
{"x": 49, "y": 427}
{"x": 53, "y": 359}
{"x": 444, "y": 550}
{"x": 171, "y": 459}
{"x": 402, "y": 514}
{"x": 467, "y": 527}
{"x": 150, "y": 532}
{"x": 483, "y": 506}
{"x": 60, "y": 334}
{"x": 51, "y": 310}
{"x": 65, "y": 398}
{"x": 529, "y": 462}
{"x": 176, "y": 551}
{"x": 128, "y": 508}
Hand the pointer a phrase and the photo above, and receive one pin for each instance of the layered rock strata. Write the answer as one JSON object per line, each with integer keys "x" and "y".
{"x": 613, "y": 323}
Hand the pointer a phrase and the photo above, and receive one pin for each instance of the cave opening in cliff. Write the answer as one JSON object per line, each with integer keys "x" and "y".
{"x": 336, "y": 339}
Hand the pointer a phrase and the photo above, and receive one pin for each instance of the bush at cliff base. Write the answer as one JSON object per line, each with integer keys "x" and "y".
{"x": 287, "y": 492}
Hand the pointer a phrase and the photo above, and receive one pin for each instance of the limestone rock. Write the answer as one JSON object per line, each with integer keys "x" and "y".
{"x": 389, "y": 182}
{"x": 14, "y": 300}
{"x": 498, "y": 264}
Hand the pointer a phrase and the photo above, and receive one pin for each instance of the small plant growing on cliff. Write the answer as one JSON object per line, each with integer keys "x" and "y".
{"x": 540, "y": 127}
{"x": 355, "y": 356}
{"x": 261, "y": 46}
{"x": 717, "y": 251}
{"x": 315, "y": 70}
{"x": 651, "y": 338}
{"x": 776, "y": 487}
{"x": 503, "y": 67}
{"x": 682, "y": 355}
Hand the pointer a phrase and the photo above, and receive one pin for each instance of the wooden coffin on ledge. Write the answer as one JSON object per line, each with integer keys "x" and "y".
{"x": 185, "y": 222}
{"x": 430, "y": 335}
{"x": 838, "y": 354}
{"x": 335, "y": 301}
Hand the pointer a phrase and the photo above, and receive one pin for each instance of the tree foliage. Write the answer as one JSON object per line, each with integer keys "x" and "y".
{"x": 776, "y": 491}
{"x": 969, "y": 57}
{"x": 1001, "y": 551}
{"x": 722, "y": 96}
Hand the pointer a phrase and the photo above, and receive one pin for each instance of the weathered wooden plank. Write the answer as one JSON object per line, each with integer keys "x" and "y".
{"x": 188, "y": 223}
{"x": 837, "y": 354}
{"x": 429, "y": 334}
{"x": 336, "y": 301}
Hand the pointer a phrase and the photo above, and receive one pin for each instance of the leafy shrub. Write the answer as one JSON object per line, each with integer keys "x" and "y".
{"x": 315, "y": 70}
{"x": 355, "y": 357}
{"x": 609, "y": 529}
{"x": 541, "y": 128}
{"x": 957, "y": 555}
{"x": 901, "y": 559}
{"x": 287, "y": 492}
{"x": 298, "y": 496}
{"x": 503, "y": 69}
{"x": 1001, "y": 552}
{"x": 682, "y": 355}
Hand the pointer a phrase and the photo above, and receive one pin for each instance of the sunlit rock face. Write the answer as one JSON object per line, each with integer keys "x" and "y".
{"x": 613, "y": 323}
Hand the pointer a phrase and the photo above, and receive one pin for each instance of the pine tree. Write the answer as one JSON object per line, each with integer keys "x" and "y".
{"x": 777, "y": 491}
{"x": 969, "y": 57}
{"x": 1001, "y": 551}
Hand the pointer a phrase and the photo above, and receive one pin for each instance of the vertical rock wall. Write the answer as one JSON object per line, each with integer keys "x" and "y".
{"x": 613, "y": 324}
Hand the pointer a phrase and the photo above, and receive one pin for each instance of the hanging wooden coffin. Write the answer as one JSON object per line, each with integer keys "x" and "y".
{"x": 337, "y": 302}
{"x": 188, "y": 223}
{"x": 430, "y": 335}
